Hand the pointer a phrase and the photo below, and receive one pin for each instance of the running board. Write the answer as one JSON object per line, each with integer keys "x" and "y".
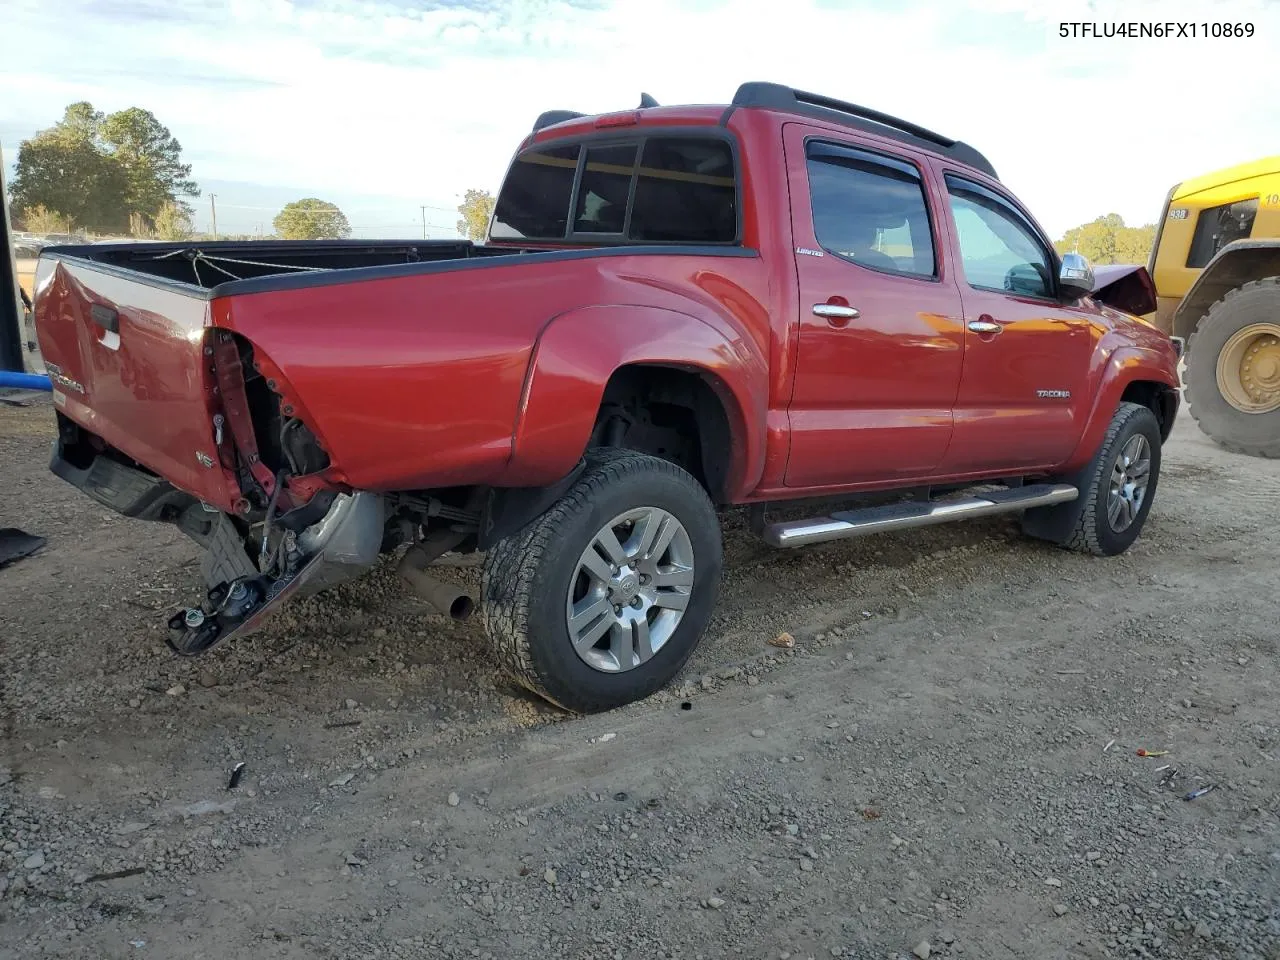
{"x": 922, "y": 513}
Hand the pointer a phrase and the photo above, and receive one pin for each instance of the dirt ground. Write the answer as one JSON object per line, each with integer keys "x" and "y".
{"x": 945, "y": 765}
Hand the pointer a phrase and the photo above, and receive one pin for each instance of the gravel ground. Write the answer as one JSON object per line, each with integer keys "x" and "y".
{"x": 944, "y": 765}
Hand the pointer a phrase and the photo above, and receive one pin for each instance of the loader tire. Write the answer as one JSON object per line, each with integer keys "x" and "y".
{"x": 1233, "y": 370}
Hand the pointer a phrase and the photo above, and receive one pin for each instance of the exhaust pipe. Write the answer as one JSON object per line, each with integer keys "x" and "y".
{"x": 447, "y": 598}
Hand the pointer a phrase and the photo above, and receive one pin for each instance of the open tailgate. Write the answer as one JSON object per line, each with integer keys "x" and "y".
{"x": 126, "y": 356}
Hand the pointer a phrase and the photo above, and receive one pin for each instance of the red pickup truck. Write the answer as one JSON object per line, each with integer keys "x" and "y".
{"x": 678, "y": 309}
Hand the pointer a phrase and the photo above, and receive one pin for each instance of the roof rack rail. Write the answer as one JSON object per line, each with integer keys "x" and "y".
{"x": 775, "y": 96}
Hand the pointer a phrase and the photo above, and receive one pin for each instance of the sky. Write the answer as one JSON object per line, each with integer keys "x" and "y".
{"x": 388, "y": 106}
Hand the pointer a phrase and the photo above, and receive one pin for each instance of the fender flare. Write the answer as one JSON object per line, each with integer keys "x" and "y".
{"x": 1235, "y": 264}
{"x": 577, "y": 352}
{"x": 1125, "y": 365}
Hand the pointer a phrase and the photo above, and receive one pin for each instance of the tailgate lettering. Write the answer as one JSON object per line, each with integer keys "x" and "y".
{"x": 61, "y": 379}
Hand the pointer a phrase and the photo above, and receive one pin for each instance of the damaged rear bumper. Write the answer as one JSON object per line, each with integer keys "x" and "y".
{"x": 332, "y": 538}
{"x": 343, "y": 544}
{"x": 118, "y": 486}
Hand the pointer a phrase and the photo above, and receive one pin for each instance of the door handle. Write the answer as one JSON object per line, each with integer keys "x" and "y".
{"x": 108, "y": 319}
{"x": 834, "y": 311}
{"x": 105, "y": 317}
{"x": 984, "y": 326}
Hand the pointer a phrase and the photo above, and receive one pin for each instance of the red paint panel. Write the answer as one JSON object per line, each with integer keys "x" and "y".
{"x": 580, "y": 351}
{"x": 407, "y": 382}
{"x": 1001, "y": 418}
{"x": 415, "y": 382}
{"x": 146, "y": 388}
{"x": 873, "y": 395}
{"x": 1119, "y": 361}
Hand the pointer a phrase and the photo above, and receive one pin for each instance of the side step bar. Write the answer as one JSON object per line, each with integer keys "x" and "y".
{"x": 900, "y": 516}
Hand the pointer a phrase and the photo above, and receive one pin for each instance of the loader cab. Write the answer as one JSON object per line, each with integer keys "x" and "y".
{"x": 1203, "y": 215}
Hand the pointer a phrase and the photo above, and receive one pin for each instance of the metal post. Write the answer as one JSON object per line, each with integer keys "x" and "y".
{"x": 424, "y": 221}
{"x": 213, "y": 208}
{"x": 11, "y": 309}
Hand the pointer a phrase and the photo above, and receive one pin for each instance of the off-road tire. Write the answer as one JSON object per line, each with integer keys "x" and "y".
{"x": 1082, "y": 524}
{"x": 527, "y": 575}
{"x": 1255, "y": 434}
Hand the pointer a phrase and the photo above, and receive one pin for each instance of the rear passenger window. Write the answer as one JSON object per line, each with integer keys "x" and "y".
{"x": 606, "y": 183}
{"x": 871, "y": 210}
{"x": 534, "y": 202}
{"x": 685, "y": 192}
{"x": 663, "y": 189}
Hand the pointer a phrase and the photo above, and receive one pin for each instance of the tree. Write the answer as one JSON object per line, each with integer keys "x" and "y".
{"x": 476, "y": 209}
{"x": 103, "y": 170}
{"x": 311, "y": 219}
{"x": 40, "y": 219}
{"x": 151, "y": 159}
{"x": 1108, "y": 240}
{"x": 65, "y": 170}
{"x": 173, "y": 222}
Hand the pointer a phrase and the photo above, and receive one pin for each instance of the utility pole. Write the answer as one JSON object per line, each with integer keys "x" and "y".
{"x": 424, "y": 221}
{"x": 213, "y": 208}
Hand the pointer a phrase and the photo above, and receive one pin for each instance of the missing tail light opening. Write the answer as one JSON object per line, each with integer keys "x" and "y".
{"x": 270, "y": 439}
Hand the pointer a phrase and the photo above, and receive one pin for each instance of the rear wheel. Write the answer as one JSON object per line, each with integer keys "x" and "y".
{"x": 601, "y": 600}
{"x": 1116, "y": 490}
{"x": 1233, "y": 370}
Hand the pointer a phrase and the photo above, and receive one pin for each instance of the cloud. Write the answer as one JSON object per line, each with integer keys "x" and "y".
{"x": 421, "y": 98}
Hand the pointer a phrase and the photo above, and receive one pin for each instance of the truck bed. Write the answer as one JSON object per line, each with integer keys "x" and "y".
{"x": 212, "y": 265}
{"x": 378, "y": 348}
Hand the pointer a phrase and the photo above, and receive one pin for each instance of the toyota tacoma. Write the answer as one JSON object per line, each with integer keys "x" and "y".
{"x": 677, "y": 309}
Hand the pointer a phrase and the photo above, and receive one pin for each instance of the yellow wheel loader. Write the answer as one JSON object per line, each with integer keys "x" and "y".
{"x": 1216, "y": 267}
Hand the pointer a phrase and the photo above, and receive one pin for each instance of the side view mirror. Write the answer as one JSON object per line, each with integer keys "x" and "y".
{"x": 1075, "y": 279}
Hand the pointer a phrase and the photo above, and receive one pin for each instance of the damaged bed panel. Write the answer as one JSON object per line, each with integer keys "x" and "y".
{"x": 174, "y": 359}
{"x": 127, "y": 364}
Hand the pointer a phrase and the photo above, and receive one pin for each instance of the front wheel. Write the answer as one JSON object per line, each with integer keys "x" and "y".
{"x": 602, "y": 599}
{"x": 1116, "y": 490}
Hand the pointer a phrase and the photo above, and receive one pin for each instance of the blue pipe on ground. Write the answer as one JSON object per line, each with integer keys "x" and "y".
{"x": 25, "y": 381}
